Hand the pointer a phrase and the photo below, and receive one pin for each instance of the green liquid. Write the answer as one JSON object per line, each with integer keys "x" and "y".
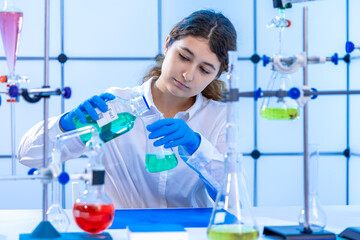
{"x": 280, "y": 113}
{"x": 232, "y": 232}
{"x": 154, "y": 164}
{"x": 123, "y": 124}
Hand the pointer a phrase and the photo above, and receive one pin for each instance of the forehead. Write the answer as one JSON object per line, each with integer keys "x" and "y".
{"x": 199, "y": 47}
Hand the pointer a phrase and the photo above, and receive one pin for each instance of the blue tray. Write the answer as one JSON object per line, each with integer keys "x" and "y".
{"x": 186, "y": 217}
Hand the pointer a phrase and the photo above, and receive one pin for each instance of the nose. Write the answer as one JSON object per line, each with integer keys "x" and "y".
{"x": 188, "y": 74}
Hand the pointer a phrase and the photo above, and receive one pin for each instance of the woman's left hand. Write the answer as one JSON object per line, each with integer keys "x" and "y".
{"x": 175, "y": 132}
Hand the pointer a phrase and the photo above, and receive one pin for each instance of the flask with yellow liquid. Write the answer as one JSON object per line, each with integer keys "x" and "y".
{"x": 231, "y": 218}
{"x": 279, "y": 108}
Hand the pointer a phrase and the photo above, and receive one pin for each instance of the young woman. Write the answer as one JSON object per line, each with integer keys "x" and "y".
{"x": 186, "y": 89}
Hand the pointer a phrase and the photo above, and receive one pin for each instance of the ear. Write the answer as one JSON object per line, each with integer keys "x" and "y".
{"x": 166, "y": 45}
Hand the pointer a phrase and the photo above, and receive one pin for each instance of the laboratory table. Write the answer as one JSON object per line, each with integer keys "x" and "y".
{"x": 14, "y": 222}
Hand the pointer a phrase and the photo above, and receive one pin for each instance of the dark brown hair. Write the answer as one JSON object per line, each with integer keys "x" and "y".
{"x": 209, "y": 25}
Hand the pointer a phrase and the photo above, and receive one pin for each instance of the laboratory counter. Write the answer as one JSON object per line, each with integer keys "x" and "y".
{"x": 15, "y": 222}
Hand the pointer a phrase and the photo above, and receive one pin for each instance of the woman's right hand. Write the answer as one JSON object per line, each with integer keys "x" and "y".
{"x": 88, "y": 106}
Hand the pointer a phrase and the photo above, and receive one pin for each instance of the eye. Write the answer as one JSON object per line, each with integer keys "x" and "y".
{"x": 182, "y": 57}
{"x": 203, "y": 70}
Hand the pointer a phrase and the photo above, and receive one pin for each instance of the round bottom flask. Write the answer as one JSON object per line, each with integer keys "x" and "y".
{"x": 93, "y": 218}
{"x": 93, "y": 211}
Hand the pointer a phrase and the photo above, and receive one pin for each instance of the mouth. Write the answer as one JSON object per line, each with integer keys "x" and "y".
{"x": 179, "y": 84}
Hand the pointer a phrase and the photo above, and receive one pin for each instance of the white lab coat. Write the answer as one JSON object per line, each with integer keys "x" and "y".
{"x": 127, "y": 182}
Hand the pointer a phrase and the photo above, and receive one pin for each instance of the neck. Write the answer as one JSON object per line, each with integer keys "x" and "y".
{"x": 169, "y": 104}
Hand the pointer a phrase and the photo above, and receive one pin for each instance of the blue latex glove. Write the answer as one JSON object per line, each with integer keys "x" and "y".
{"x": 88, "y": 106}
{"x": 174, "y": 132}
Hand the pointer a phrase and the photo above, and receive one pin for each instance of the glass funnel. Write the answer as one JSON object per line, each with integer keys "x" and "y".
{"x": 157, "y": 159}
{"x": 279, "y": 108}
{"x": 317, "y": 216}
{"x": 11, "y": 19}
{"x": 231, "y": 217}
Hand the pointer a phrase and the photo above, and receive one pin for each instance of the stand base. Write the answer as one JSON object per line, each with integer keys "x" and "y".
{"x": 351, "y": 233}
{"x": 294, "y": 232}
{"x": 46, "y": 231}
{"x": 70, "y": 236}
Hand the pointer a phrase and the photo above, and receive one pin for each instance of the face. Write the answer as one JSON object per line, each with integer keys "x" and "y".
{"x": 189, "y": 66}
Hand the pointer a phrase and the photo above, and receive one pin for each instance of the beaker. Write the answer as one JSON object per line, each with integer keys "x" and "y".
{"x": 317, "y": 216}
{"x": 279, "y": 108}
{"x": 157, "y": 159}
{"x": 231, "y": 217}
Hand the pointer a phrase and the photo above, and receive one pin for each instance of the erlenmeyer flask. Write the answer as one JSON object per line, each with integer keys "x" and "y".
{"x": 157, "y": 159}
{"x": 56, "y": 214}
{"x": 279, "y": 108}
{"x": 231, "y": 217}
{"x": 317, "y": 216}
{"x": 10, "y": 27}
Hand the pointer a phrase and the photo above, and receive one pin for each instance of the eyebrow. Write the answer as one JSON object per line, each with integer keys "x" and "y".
{"x": 192, "y": 54}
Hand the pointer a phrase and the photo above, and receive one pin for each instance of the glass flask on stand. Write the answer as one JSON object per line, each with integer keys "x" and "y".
{"x": 119, "y": 118}
{"x": 94, "y": 211}
{"x": 317, "y": 216}
{"x": 55, "y": 213}
{"x": 157, "y": 159}
{"x": 279, "y": 108}
{"x": 231, "y": 217}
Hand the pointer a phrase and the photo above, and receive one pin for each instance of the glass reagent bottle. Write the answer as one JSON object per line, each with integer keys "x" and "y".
{"x": 119, "y": 118}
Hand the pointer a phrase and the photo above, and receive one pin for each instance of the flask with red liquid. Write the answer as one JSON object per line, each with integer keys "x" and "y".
{"x": 93, "y": 211}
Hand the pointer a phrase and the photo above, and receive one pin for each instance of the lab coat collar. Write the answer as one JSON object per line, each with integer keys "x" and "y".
{"x": 186, "y": 115}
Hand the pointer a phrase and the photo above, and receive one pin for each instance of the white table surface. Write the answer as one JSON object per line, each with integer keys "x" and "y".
{"x": 14, "y": 222}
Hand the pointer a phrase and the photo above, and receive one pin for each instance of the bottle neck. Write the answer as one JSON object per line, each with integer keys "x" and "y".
{"x": 95, "y": 189}
{"x": 139, "y": 105}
